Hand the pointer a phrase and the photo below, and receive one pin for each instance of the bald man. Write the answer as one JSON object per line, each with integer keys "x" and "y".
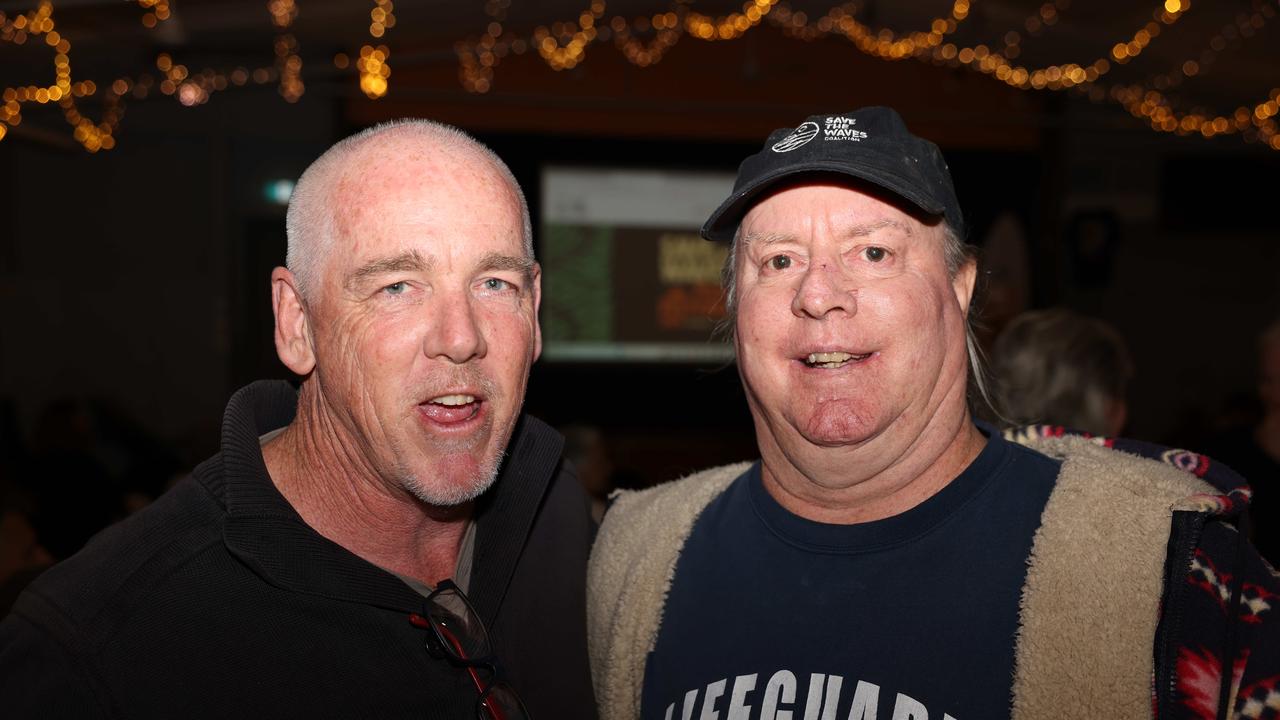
{"x": 394, "y": 538}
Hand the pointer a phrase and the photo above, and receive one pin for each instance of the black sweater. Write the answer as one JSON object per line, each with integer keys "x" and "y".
{"x": 219, "y": 601}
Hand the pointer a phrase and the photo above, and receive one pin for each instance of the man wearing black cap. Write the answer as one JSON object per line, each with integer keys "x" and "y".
{"x": 887, "y": 557}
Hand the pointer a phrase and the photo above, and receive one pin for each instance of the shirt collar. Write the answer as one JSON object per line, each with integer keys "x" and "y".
{"x": 265, "y": 531}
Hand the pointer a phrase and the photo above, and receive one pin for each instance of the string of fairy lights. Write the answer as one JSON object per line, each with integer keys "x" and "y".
{"x": 563, "y": 45}
{"x": 288, "y": 61}
{"x": 645, "y": 40}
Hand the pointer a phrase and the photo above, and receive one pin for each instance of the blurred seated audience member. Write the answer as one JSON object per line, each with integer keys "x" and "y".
{"x": 1058, "y": 367}
{"x": 584, "y": 446}
{"x": 89, "y": 465}
{"x": 1006, "y": 265}
{"x": 22, "y": 557}
{"x": 1253, "y": 448}
{"x": 74, "y": 497}
{"x": 69, "y": 477}
{"x": 138, "y": 465}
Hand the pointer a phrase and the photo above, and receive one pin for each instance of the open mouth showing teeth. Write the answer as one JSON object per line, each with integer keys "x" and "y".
{"x": 451, "y": 409}
{"x": 453, "y": 400}
{"x": 833, "y": 359}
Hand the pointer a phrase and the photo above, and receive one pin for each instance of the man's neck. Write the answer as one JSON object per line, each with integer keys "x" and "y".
{"x": 876, "y": 479}
{"x": 320, "y": 472}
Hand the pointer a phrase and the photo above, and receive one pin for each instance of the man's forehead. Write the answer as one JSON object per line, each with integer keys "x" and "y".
{"x": 362, "y": 206}
{"x": 396, "y": 161}
{"x": 419, "y": 191}
{"x": 854, "y": 207}
{"x": 383, "y": 175}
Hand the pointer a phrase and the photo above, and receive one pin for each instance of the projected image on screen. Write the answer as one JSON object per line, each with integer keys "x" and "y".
{"x": 625, "y": 276}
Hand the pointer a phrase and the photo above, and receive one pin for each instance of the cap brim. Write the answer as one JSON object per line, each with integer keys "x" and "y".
{"x": 724, "y": 221}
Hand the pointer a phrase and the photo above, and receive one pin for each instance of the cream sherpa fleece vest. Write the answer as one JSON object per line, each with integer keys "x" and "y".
{"x": 1089, "y": 607}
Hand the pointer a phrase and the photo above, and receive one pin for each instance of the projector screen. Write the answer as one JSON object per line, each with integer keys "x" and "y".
{"x": 625, "y": 277}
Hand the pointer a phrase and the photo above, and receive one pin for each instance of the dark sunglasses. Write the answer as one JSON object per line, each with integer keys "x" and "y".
{"x": 458, "y": 633}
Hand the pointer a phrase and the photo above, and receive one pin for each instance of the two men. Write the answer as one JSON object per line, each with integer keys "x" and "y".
{"x": 318, "y": 565}
{"x": 887, "y": 557}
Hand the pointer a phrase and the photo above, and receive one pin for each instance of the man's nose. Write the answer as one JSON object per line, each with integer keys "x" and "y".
{"x": 825, "y": 288}
{"x": 454, "y": 333}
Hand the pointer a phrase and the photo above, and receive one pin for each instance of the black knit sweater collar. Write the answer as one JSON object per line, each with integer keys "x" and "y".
{"x": 269, "y": 536}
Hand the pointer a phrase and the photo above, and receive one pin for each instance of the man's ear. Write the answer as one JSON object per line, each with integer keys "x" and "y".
{"x": 537, "y": 303}
{"x": 293, "y": 329}
{"x": 963, "y": 283}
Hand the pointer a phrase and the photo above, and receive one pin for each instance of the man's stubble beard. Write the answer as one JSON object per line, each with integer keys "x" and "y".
{"x": 454, "y": 494}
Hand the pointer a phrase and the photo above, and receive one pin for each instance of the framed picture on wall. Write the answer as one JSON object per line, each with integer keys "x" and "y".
{"x": 625, "y": 276}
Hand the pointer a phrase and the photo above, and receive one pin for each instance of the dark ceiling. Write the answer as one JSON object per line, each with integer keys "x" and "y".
{"x": 1233, "y": 45}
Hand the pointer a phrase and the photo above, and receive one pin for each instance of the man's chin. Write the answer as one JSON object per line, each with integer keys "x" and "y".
{"x": 838, "y": 424}
{"x": 453, "y": 481}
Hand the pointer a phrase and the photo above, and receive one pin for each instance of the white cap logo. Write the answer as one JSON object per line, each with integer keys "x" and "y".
{"x": 800, "y": 136}
{"x": 841, "y": 128}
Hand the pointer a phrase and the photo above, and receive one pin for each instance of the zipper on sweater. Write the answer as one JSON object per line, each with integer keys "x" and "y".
{"x": 1184, "y": 535}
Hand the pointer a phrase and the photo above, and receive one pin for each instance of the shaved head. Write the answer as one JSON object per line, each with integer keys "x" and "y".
{"x": 409, "y": 306}
{"x": 317, "y": 214}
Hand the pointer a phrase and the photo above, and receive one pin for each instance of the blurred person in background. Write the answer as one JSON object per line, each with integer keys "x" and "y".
{"x": 89, "y": 466}
{"x": 320, "y": 564}
{"x": 1254, "y": 449}
{"x": 72, "y": 476}
{"x": 584, "y": 446}
{"x": 22, "y": 557}
{"x": 1061, "y": 368}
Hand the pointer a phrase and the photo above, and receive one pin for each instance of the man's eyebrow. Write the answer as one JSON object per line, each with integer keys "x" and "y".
{"x": 409, "y": 261}
{"x": 766, "y": 239}
{"x": 855, "y": 230}
{"x": 866, "y": 229}
{"x": 497, "y": 261}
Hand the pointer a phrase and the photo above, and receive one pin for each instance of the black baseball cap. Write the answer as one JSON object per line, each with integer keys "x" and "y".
{"x": 871, "y": 144}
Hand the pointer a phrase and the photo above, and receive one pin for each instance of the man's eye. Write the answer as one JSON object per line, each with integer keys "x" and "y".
{"x": 779, "y": 262}
{"x": 876, "y": 254}
{"x": 496, "y": 285}
{"x": 396, "y": 288}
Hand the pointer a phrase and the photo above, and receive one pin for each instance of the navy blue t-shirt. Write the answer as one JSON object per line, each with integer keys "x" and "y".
{"x": 906, "y": 618}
